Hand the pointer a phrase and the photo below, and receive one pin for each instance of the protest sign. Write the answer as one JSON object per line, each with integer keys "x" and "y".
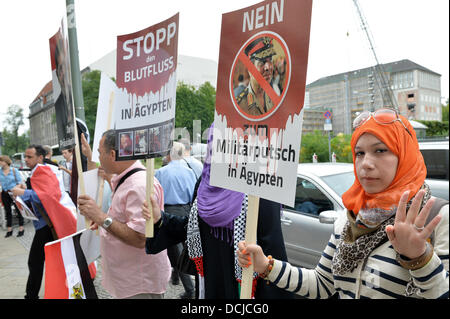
{"x": 62, "y": 88}
{"x": 146, "y": 78}
{"x": 260, "y": 93}
{"x": 24, "y": 210}
{"x": 257, "y": 132}
{"x": 145, "y": 106}
{"x": 105, "y": 110}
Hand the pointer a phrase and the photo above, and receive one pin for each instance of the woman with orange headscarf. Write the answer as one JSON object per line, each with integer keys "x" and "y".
{"x": 393, "y": 241}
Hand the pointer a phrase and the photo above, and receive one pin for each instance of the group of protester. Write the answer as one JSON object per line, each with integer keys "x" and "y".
{"x": 391, "y": 243}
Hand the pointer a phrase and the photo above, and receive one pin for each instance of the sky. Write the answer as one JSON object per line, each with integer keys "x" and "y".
{"x": 417, "y": 30}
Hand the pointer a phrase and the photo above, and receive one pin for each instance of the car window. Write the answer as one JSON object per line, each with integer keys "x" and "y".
{"x": 436, "y": 162}
{"x": 309, "y": 199}
{"x": 340, "y": 183}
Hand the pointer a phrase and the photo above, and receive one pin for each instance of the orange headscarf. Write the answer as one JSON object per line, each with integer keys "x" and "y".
{"x": 411, "y": 169}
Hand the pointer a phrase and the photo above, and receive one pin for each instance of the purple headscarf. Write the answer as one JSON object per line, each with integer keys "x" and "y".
{"x": 218, "y": 207}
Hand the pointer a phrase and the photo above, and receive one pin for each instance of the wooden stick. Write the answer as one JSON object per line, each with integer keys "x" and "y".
{"x": 149, "y": 191}
{"x": 251, "y": 226}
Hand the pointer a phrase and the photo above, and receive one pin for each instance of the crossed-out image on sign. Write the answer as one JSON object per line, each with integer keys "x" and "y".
{"x": 259, "y": 78}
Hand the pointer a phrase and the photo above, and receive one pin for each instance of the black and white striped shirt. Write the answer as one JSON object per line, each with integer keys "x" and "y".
{"x": 378, "y": 276}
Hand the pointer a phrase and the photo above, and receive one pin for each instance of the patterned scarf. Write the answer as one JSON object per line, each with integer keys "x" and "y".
{"x": 194, "y": 243}
{"x": 363, "y": 233}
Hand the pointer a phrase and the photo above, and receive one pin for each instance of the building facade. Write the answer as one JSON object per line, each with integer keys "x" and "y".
{"x": 417, "y": 91}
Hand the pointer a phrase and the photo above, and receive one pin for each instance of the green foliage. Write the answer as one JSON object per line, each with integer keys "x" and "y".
{"x": 317, "y": 142}
{"x": 340, "y": 145}
{"x": 91, "y": 85}
{"x": 314, "y": 143}
{"x": 13, "y": 142}
{"x": 445, "y": 113}
{"x": 195, "y": 104}
{"x": 436, "y": 128}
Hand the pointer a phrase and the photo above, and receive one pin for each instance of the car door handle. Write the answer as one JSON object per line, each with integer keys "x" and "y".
{"x": 286, "y": 221}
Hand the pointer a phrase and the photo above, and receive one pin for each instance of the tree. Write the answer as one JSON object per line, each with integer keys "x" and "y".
{"x": 317, "y": 143}
{"x": 445, "y": 112}
{"x": 435, "y": 128}
{"x": 13, "y": 142}
{"x": 314, "y": 143}
{"x": 11, "y": 145}
{"x": 195, "y": 104}
{"x": 340, "y": 145}
{"x": 91, "y": 86}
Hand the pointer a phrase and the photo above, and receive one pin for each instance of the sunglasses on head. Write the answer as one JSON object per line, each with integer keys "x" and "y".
{"x": 381, "y": 116}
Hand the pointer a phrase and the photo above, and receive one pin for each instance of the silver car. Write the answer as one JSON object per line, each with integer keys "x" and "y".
{"x": 308, "y": 225}
{"x": 436, "y": 157}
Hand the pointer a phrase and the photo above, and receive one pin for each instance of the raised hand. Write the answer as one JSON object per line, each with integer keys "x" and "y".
{"x": 408, "y": 235}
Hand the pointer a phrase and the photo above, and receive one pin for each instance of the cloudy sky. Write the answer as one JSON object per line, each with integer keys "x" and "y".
{"x": 402, "y": 29}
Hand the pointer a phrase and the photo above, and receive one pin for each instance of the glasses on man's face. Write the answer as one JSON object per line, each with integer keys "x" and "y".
{"x": 381, "y": 116}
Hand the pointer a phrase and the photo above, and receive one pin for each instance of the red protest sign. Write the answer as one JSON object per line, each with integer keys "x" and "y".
{"x": 260, "y": 93}
{"x": 145, "y": 101}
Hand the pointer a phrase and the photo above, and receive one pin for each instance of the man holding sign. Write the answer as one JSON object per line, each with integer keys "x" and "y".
{"x": 128, "y": 272}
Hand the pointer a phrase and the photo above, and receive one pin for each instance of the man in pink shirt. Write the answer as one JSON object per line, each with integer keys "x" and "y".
{"x": 128, "y": 272}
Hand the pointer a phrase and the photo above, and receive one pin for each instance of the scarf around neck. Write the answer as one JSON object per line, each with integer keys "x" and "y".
{"x": 356, "y": 242}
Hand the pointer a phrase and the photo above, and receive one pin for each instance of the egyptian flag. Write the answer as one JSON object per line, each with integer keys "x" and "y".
{"x": 46, "y": 185}
{"x": 66, "y": 270}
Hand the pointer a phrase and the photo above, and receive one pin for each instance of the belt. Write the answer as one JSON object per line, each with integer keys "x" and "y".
{"x": 175, "y": 205}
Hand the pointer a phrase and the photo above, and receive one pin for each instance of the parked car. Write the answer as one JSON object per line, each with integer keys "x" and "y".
{"x": 435, "y": 154}
{"x": 308, "y": 225}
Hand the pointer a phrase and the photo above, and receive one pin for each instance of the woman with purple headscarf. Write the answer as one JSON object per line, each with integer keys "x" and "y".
{"x": 215, "y": 225}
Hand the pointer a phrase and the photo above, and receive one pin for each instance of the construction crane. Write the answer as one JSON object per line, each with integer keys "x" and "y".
{"x": 379, "y": 74}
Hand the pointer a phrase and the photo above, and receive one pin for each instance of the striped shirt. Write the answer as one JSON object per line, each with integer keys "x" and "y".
{"x": 378, "y": 276}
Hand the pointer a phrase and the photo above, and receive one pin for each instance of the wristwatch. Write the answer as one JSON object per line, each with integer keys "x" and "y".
{"x": 107, "y": 222}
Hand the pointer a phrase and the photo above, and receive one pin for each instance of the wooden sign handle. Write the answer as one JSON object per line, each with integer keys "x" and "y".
{"x": 149, "y": 191}
{"x": 251, "y": 226}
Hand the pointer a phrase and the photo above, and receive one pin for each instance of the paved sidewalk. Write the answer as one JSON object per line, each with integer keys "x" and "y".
{"x": 14, "y": 268}
{"x": 13, "y": 265}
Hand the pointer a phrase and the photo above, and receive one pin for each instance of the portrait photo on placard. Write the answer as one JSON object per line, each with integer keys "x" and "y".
{"x": 141, "y": 142}
{"x": 125, "y": 144}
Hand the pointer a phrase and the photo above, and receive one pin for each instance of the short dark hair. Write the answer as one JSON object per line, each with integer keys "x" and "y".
{"x": 110, "y": 140}
{"x": 39, "y": 149}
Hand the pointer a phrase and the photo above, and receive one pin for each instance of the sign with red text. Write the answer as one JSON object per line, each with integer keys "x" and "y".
{"x": 260, "y": 93}
{"x": 145, "y": 102}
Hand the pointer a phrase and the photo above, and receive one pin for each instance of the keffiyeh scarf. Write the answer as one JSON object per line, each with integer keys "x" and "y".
{"x": 194, "y": 243}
